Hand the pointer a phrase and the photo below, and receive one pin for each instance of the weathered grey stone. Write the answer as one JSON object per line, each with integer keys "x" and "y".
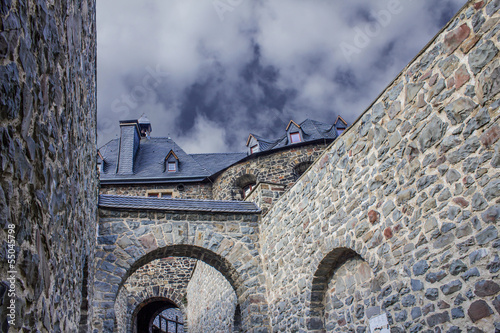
{"x": 448, "y": 65}
{"x": 438, "y": 318}
{"x": 452, "y": 176}
{"x": 444, "y": 195}
{"x": 470, "y": 273}
{"x": 478, "y": 203}
{"x": 394, "y": 92}
{"x": 378, "y": 112}
{"x": 431, "y": 133}
{"x": 487, "y": 235}
{"x": 482, "y": 55}
{"x": 436, "y": 90}
{"x": 457, "y": 267}
{"x": 492, "y": 190}
{"x": 394, "y": 109}
{"x": 459, "y": 110}
{"x": 492, "y": 214}
{"x": 449, "y": 143}
{"x": 420, "y": 268}
{"x": 451, "y": 287}
{"x": 470, "y": 146}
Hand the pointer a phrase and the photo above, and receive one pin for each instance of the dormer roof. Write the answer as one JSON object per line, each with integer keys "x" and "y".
{"x": 311, "y": 130}
{"x": 291, "y": 123}
{"x": 171, "y": 153}
{"x": 340, "y": 122}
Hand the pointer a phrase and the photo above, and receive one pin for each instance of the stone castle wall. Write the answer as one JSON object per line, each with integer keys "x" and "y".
{"x": 189, "y": 191}
{"x": 276, "y": 167}
{"x": 409, "y": 195}
{"x": 211, "y": 301}
{"x": 48, "y": 188}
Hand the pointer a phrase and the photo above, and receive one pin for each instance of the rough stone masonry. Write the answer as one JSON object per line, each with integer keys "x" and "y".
{"x": 48, "y": 178}
{"x": 400, "y": 215}
{"x": 396, "y": 221}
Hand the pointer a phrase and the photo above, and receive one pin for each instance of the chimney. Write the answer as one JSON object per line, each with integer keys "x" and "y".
{"x": 129, "y": 144}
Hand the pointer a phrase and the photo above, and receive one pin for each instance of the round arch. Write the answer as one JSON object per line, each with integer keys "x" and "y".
{"x": 144, "y": 314}
{"x": 189, "y": 251}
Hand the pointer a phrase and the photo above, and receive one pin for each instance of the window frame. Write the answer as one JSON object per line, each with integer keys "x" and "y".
{"x": 295, "y": 134}
{"x": 169, "y": 164}
{"x": 166, "y": 194}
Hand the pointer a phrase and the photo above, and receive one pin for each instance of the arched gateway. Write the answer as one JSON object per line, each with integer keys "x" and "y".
{"x": 134, "y": 231}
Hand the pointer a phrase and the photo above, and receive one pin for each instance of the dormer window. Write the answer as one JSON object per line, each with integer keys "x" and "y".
{"x": 171, "y": 162}
{"x": 253, "y": 144}
{"x": 295, "y": 137}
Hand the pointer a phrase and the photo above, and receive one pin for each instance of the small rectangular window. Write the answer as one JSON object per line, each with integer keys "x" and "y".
{"x": 295, "y": 137}
{"x": 159, "y": 194}
{"x": 254, "y": 149}
{"x": 172, "y": 167}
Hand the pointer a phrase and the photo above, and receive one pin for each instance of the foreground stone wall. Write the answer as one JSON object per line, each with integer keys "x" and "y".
{"x": 48, "y": 186}
{"x": 412, "y": 190}
{"x": 166, "y": 278}
{"x": 211, "y": 301}
{"x": 277, "y": 168}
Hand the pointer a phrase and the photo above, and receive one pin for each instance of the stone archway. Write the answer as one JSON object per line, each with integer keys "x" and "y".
{"x": 162, "y": 278}
{"x": 145, "y": 313}
{"x": 223, "y": 241}
{"x": 339, "y": 282}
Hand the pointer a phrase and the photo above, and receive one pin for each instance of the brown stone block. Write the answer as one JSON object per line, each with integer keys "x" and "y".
{"x": 479, "y": 5}
{"x": 490, "y": 136}
{"x": 149, "y": 242}
{"x": 388, "y": 233}
{"x": 453, "y": 39}
{"x": 373, "y": 216}
{"x": 461, "y": 202}
{"x": 485, "y": 288}
{"x": 462, "y": 76}
{"x": 470, "y": 43}
{"x": 479, "y": 310}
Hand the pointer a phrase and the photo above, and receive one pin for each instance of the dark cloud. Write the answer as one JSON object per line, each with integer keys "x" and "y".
{"x": 208, "y": 77}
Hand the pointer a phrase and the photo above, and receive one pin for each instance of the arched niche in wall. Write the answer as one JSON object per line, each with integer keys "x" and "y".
{"x": 245, "y": 184}
{"x": 300, "y": 168}
{"x": 341, "y": 284}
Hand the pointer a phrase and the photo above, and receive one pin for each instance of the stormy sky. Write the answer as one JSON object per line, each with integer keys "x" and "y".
{"x": 209, "y": 72}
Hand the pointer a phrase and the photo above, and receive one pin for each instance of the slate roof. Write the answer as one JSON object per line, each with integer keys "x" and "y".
{"x": 312, "y": 130}
{"x": 128, "y": 202}
{"x": 150, "y": 159}
{"x": 217, "y": 162}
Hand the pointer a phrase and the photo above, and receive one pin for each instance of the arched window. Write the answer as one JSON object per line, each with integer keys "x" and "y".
{"x": 300, "y": 168}
{"x": 246, "y": 184}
